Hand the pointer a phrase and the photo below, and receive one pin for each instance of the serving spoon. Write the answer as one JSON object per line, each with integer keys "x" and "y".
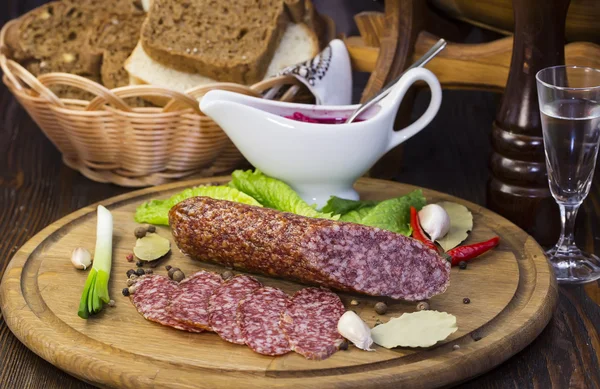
{"x": 428, "y": 56}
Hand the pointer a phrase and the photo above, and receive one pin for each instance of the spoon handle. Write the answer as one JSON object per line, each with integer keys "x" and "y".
{"x": 428, "y": 56}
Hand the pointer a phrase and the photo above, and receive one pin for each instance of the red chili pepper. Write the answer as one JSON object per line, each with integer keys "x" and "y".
{"x": 466, "y": 253}
{"x": 418, "y": 233}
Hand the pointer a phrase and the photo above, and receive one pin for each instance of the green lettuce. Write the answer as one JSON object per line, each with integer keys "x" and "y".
{"x": 340, "y": 206}
{"x": 157, "y": 211}
{"x": 392, "y": 215}
{"x": 273, "y": 193}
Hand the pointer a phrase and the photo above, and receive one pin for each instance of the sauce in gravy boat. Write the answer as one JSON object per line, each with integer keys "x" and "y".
{"x": 317, "y": 160}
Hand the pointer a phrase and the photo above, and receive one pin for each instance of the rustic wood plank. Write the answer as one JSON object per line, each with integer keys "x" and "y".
{"x": 451, "y": 155}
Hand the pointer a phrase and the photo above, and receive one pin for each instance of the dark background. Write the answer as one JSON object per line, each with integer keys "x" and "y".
{"x": 451, "y": 155}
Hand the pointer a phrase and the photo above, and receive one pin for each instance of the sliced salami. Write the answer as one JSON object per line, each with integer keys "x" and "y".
{"x": 223, "y": 306}
{"x": 310, "y": 323}
{"x": 258, "y": 317}
{"x": 151, "y": 298}
{"x": 189, "y": 304}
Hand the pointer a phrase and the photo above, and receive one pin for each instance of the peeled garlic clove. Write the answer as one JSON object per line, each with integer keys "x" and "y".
{"x": 81, "y": 258}
{"x": 353, "y": 328}
{"x": 435, "y": 221}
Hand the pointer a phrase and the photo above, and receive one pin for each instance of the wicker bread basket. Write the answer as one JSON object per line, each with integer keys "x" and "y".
{"x": 107, "y": 140}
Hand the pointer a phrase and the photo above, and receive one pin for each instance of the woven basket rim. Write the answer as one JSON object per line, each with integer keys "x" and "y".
{"x": 109, "y": 141}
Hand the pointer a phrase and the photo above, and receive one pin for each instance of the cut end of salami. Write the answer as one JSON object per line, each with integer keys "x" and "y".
{"x": 343, "y": 256}
{"x": 189, "y": 302}
{"x": 310, "y": 323}
{"x": 223, "y": 306}
{"x": 258, "y": 316}
{"x": 151, "y": 298}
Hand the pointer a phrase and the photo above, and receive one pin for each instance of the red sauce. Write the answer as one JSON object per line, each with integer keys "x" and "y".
{"x": 307, "y": 119}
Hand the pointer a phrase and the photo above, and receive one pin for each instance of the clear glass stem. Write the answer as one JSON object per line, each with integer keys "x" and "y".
{"x": 568, "y": 214}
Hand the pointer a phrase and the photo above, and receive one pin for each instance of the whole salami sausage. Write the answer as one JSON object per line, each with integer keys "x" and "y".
{"x": 342, "y": 256}
{"x": 310, "y": 323}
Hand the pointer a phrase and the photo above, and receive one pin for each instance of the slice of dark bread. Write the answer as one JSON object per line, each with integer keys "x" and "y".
{"x": 52, "y": 36}
{"x": 56, "y": 38}
{"x": 225, "y": 40}
{"x": 115, "y": 39}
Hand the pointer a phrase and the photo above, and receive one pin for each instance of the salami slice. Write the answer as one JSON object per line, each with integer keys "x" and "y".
{"x": 258, "y": 317}
{"x": 223, "y": 306}
{"x": 189, "y": 303}
{"x": 310, "y": 323}
{"x": 151, "y": 298}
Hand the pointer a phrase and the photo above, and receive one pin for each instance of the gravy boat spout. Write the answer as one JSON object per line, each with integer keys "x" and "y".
{"x": 317, "y": 160}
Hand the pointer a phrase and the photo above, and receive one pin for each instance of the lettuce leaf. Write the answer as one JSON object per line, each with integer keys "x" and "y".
{"x": 340, "y": 206}
{"x": 157, "y": 211}
{"x": 273, "y": 193}
{"x": 392, "y": 215}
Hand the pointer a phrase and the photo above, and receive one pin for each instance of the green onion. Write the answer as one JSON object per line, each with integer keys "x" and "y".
{"x": 95, "y": 292}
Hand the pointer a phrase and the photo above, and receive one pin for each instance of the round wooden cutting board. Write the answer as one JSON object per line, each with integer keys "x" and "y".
{"x": 512, "y": 293}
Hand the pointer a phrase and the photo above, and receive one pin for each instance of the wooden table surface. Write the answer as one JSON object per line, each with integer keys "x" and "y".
{"x": 451, "y": 155}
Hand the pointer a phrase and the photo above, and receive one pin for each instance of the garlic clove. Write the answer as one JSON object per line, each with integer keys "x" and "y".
{"x": 435, "y": 221}
{"x": 81, "y": 258}
{"x": 353, "y": 328}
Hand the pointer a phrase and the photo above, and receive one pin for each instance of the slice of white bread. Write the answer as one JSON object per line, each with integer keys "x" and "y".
{"x": 298, "y": 44}
{"x": 144, "y": 70}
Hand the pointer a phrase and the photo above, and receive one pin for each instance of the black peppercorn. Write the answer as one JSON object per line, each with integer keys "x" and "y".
{"x": 130, "y": 272}
{"x": 140, "y": 272}
{"x": 344, "y": 345}
{"x": 171, "y": 271}
{"x": 462, "y": 265}
{"x": 178, "y": 275}
{"x": 168, "y": 267}
{"x": 151, "y": 229}
{"x": 140, "y": 232}
{"x": 125, "y": 292}
{"x": 139, "y": 264}
{"x": 149, "y": 271}
{"x": 466, "y": 300}
{"x": 380, "y": 308}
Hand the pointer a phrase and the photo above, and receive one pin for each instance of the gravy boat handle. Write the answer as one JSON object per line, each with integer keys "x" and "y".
{"x": 392, "y": 101}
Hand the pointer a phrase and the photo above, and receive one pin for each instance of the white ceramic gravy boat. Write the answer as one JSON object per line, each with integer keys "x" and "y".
{"x": 317, "y": 160}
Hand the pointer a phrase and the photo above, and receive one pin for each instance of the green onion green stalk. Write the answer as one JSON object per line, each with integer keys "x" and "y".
{"x": 95, "y": 292}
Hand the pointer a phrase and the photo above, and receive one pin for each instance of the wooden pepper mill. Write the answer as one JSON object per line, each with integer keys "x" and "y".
{"x": 518, "y": 188}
